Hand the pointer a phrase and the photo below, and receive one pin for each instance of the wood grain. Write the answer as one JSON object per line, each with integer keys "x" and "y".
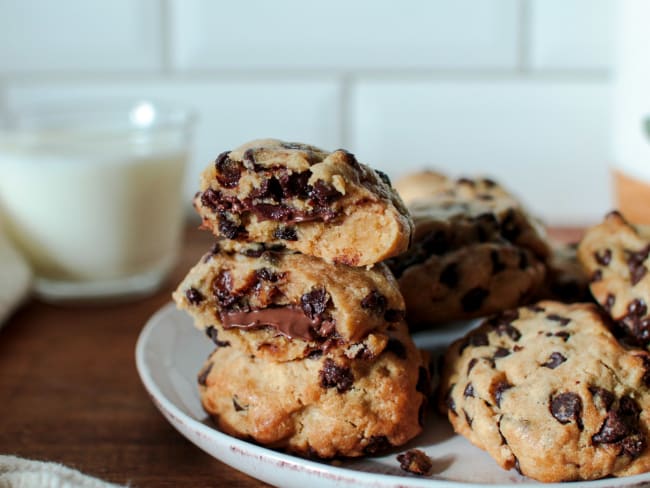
{"x": 69, "y": 392}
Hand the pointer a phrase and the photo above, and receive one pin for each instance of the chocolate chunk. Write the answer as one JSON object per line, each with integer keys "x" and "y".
{"x": 314, "y": 303}
{"x": 212, "y": 332}
{"x": 236, "y": 405}
{"x": 634, "y": 445}
{"x": 396, "y": 347}
{"x": 415, "y": 461}
{"x": 296, "y": 184}
{"x": 612, "y": 430}
{"x": 449, "y": 400}
{"x": 349, "y": 158}
{"x": 210, "y": 198}
{"x": 194, "y": 296}
{"x": 423, "y": 385}
{"x": 603, "y": 257}
{"x": 554, "y": 360}
{"x": 228, "y": 171}
{"x": 375, "y": 302}
{"x": 249, "y": 156}
{"x": 603, "y": 398}
{"x": 469, "y": 390}
{"x": 635, "y": 264}
{"x": 449, "y": 275}
{"x": 315, "y": 354}
{"x": 286, "y": 233}
{"x": 564, "y": 335}
{"x": 324, "y": 194}
{"x": 502, "y": 324}
{"x": 501, "y": 352}
{"x": 222, "y": 289}
{"x": 269, "y": 189}
{"x": 567, "y": 407}
{"x": 384, "y": 177}
{"x": 334, "y": 376}
{"x": 392, "y": 315}
{"x": 228, "y": 228}
{"x": 597, "y": 276}
{"x": 524, "y": 262}
{"x": 497, "y": 264}
{"x": 500, "y": 388}
{"x": 609, "y": 302}
{"x": 434, "y": 243}
{"x": 473, "y": 299}
{"x": 203, "y": 375}
{"x": 557, "y": 318}
{"x": 509, "y": 227}
{"x": 471, "y": 364}
{"x": 377, "y": 444}
{"x": 267, "y": 211}
{"x": 476, "y": 339}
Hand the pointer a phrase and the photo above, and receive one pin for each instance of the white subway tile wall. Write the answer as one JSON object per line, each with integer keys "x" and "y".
{"x": 518, "y": 89}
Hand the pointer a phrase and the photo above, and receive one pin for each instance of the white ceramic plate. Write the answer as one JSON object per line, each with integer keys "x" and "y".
{"x": 169, "y": 354}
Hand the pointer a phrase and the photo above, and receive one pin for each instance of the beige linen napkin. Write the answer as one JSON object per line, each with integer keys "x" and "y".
{"x": 16, "y": 472}
{"x": 15, "y": 278}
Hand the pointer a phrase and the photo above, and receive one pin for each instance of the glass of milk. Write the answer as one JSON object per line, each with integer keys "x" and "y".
{"x": 92, "y": 196}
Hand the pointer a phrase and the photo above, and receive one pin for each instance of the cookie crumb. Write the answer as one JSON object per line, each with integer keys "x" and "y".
{"x": 415, "y": 461}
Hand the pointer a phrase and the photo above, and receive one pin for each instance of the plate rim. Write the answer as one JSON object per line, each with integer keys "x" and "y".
{"x": 307, "y": 466}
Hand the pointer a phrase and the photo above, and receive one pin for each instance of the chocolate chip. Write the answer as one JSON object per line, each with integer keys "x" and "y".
{"x": 210, "y": 198}
{"x": 449, "y": 400}
{"x": 562, "y": 334}
{"x": 509, "y": 227}
{"x": 265, "y": 274}
{"x": 194, "y": 296}
{"x": 269, "y": 188}
{"x": 490, "y": 183}
{"x": 558, "y": 318}
{"x": 396, "y": 347}
{"x": 423, "y": 384}
{"x": 228, "y": 171}
{"x": 497, "y": 264}
{"x": 449, "y": 275}
{"x": 249, "y": 156}
{"x": 471, "y": 364}
{"x": 502, "y": 324}
{"x": 212, "y": 332}
{"x": 296, "y": 184}
{"x": 635, "y": 262}
{"x": 384, "y": 177}
{"x": 236, "y": 405}
{"x": 228, "y": 228}
{"x": 435, "y": 243}
{"x": 554, "y": 360}
{"x": 314, "y": 303}
{"x": 324, "y": 194}
{"x": 603, "y": 257}
{"x": 315, "y": 354}
{"x": 334, "y": 376}
{"x": 375, "y": 302}
{"x": 377, "y": 444}
{"x": 500, "y": 388}
{"x": 634, "y": 445}
{"x": 476, "y": 339}
{"x": 603, "y": 398}
{"x": 466, "y": 181}
{"x": 524, "y": 262}
{"x": 536, "y": 308}
{"x": 391, "y": 315}
{"x": 349, "y": 158}
{"x": 567, "y": 407}
{"x": 597, "y": 276}
{"x": 468, "y": 419}
{"x": 609, "y": 302}
{"x": 222, "y": 289}
{"x": 473, "y": 299}
{"x": 501, "y": 352}
{"x": 469, "y": 390}
{"x": 203, "y": 375}
{"x": 415, "y": 461}
{"x": 637, "y": 307}
{"x": 286, "y": 233}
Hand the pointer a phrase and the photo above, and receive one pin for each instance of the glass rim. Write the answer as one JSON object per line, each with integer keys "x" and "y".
{"x": 87, "y": 115}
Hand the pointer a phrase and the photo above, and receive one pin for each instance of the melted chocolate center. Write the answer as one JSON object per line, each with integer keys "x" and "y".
{"x": 290, "y": 321}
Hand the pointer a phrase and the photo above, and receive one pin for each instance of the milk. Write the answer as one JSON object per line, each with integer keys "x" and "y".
{"x": 94, "y": 210}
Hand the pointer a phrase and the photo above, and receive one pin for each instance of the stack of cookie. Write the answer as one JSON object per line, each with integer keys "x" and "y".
{"x": 475, "y": 250}
{"x": 313, "y": 354}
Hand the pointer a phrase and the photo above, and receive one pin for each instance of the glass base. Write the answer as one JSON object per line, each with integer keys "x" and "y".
{"x": 114, "y": 290}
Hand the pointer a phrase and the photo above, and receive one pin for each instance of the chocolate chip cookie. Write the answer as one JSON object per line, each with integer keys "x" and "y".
{"x": 323, "y": 406}
{"x": 616, "y": 256}
{"x": 325, "y": 204}
{"x": 287, "y": 305}
{"x": 548, "y": 390}
{"x": 471, "y": 281}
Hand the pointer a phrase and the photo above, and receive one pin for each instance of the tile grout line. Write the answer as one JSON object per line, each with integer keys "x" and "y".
{"x": 345, "y": 111}
{"x": 524, "y": 41}
{"x": 165, "y": 37}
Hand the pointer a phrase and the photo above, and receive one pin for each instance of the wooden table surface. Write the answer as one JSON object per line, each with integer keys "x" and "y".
{"x": 70, "y": 393}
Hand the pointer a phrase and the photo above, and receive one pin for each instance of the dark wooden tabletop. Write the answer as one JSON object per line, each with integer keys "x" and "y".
{"x": 70, "y": 393}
